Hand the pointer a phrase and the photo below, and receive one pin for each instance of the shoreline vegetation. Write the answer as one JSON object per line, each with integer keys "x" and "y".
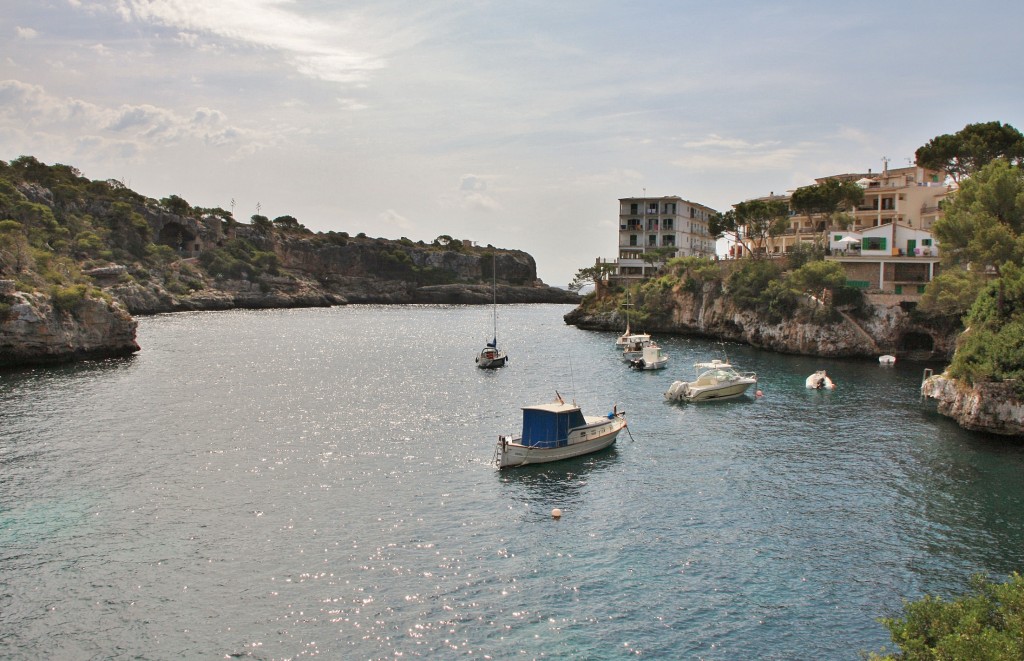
{"x": 79, "y": 258}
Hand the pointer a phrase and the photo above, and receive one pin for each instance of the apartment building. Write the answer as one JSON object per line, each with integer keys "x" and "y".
{"x": 654, "y": 229}
{"x": 907, "y": 196}
{"x": 885, "y": 243}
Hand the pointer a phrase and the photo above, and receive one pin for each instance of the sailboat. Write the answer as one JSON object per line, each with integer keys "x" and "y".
{"x": 629, "y": 338}
{"x": 491, "y": 357}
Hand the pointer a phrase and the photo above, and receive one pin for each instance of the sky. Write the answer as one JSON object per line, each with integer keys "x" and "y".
{"x": 511, "y": 123}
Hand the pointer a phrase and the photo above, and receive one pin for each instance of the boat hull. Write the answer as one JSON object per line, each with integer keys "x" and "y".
{"x": 596, "y": 436}
{"x": 683, "y": 391}
{"x": 490, "y": 359}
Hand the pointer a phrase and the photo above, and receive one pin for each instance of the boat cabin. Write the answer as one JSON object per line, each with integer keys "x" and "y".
{"x": 548, "y": 425}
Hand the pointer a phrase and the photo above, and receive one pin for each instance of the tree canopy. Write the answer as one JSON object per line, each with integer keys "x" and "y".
{"x": 826, "y": 198}
{"x": 750, "y": 224}
{"x": 983, "y": 226}
{"x": 967, "y": 151}
{"x": 591, "y": 275}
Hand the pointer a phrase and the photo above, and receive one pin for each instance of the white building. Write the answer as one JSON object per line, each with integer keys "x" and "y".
{"x": 654, "y": 229}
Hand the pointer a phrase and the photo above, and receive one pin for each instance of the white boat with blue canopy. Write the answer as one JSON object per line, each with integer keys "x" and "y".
{"x": 557, "y": 431}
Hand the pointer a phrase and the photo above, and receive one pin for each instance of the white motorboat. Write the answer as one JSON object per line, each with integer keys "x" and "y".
{"x": 714, "y": 380}
{"x": 491, "y": 357}
{"x": 557, "y": 431}
{"x": 820, "y": 381}
{"x": 651, "y": 359}
{"x": 635, "y": 349}
{"x": 887, "y": 360}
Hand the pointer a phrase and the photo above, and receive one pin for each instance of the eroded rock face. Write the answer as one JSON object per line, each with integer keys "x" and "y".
{"x": 33, "y": 331}
{"x": 988, "y": 407}
{"x": 712, "y": 314}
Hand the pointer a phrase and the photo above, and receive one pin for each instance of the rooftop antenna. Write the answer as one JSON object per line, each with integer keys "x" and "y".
{"x": 885, "y": 165}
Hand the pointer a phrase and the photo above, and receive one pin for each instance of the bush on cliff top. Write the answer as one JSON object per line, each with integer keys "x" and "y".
{"x": 987, "y": 623}
{"x": 991, "y": 350}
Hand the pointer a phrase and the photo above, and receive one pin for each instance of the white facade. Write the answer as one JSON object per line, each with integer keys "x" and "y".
{"x": 647, "y": 224}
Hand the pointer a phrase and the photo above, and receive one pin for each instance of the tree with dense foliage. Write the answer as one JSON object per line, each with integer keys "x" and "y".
{"x": 983, "y": 227}
{"x": 827, "y": 199}
{"x": 967, "y": 151}
{"x": 991, "y": 349}
{"x": 987, "y": 624}
{"x": 751, "y": 224}
{"x": 591, "y": 275}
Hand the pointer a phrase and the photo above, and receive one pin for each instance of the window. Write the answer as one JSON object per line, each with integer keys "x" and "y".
{"x": 926, "y": 242}
{"x": 837, "y": 238}
{"x": 633, "y": 208}
{"x": 668, "y": 223}
{"x": 652, "y": 240}
{"x": 873, "y": 243}
{"x": 669, "y": 241}
{"x": 632, "y": 239}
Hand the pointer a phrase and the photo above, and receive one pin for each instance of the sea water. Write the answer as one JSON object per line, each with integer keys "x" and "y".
{"x": 287, "y": 484}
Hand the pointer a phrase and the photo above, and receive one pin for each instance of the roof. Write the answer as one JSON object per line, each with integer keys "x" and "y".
{"x": 552, "y": 407}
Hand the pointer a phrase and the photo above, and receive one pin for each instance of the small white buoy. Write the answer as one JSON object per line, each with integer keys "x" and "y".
{"x": 556, "y": 513}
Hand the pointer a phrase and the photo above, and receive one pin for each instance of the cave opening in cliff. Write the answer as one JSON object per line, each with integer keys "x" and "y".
{"x": 178, "y": 237}
{"x": 916, "y": 342}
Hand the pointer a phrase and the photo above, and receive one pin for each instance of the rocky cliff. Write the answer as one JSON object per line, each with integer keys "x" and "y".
{"x": 880, "y": 328}
{"x": 987, "y": 407}
{"x": 68, "y": 245}
{"x": 34, "y": 331}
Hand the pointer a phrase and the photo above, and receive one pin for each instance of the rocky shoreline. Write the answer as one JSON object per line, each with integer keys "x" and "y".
{"x": 884, "y": 328}
{"x": 992, "y": 408}
{"x": 33, "y": 331}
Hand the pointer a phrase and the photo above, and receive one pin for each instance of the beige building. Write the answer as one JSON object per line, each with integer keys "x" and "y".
{"x": 649, "y": 224}
{"x": 904, "y": 196}
{"x": 885, "y": 243}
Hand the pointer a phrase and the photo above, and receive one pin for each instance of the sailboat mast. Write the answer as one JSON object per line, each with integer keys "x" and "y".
{"x": 494, "y": 295}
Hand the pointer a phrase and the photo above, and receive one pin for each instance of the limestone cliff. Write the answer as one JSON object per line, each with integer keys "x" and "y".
{"x": 987, "y": 407}
{"x": 34, "y": 331}
{"x": 880, "y": 328}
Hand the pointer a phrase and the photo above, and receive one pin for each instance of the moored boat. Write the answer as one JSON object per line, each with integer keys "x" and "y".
{"x": 555, "y": 431}
{"x": 491, "y": 357}
{"x": 651, "y": 359}
{"x": 820, "y": 381}
{"x": 714, "y": 380}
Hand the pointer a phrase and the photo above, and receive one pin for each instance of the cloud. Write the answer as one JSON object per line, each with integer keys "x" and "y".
{"x": 25, "y": 33}
{"x": 715, "y": 152}
{"x": 391, "y": 218}
{"x": 29, "y": 108}
{"x": 315, "y": 49}
{"x": 471, "y": 195}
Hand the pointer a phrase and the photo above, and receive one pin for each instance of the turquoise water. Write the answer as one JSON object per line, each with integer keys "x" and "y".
{"x": 287, "y": 484}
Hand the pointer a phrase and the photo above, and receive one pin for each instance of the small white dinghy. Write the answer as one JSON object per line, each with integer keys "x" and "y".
{"x": 820, "y": 381}
{"x": 887, "y": 360}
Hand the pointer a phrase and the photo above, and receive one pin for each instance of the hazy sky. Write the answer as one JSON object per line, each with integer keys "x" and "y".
{"x": 508, "y": 122}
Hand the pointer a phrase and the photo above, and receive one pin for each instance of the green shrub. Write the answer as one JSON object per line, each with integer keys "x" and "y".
{"x": 68, "y": 298}
{"x": 987, "y": 623}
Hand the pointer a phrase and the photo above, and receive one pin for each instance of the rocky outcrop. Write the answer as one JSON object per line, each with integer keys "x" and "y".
{"x": 879, "y": 329}
{"x": 986, "y": 407}
{"x": 33, "y": 331}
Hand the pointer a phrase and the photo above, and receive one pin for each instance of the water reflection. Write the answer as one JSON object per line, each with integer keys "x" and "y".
{"x": 562, "y": 484}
